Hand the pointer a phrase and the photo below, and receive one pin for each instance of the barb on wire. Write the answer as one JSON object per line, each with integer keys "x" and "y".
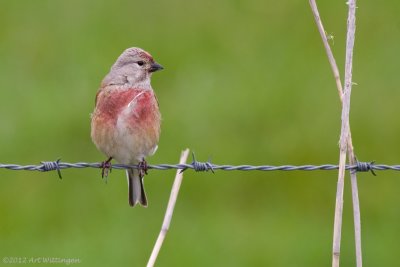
{"x": 202, "y": 166}
{"x": 51, "y": 166}
{"x": 365, "y": 167}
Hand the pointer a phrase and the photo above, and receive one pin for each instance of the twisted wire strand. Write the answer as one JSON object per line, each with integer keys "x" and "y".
{"x": 201, "y": 166}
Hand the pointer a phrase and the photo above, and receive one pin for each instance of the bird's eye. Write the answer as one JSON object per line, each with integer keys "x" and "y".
{"x": 140, "y": 63}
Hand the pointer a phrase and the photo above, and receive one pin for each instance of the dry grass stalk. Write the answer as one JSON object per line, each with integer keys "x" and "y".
{"x": 345, "y": 140}
{"x": 170, "y": 210}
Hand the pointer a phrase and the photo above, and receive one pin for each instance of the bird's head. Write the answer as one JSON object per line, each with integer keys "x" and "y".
{"x": 134, "y": 66}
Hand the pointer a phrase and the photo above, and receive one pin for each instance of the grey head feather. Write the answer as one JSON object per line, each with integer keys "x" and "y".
{"x": 127, "y": 71}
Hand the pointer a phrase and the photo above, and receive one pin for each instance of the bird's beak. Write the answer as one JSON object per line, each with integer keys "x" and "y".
{"x": 155, "y": 67}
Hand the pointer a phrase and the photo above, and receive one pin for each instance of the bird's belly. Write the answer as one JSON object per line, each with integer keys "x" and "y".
{"x": 135, "y": 141}
{"x": 128, "y": 139}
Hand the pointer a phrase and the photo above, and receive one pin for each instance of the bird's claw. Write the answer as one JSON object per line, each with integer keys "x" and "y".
{"x": 106, "y": 167}
{"x": 142, "y": 167}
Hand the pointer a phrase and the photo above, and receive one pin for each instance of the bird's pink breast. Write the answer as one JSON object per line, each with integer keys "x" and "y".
{"x": 111, "y": 104}
{"x": 126, "y": 123}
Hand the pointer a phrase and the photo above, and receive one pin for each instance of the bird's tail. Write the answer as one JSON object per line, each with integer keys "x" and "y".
{"x": 136, "y": 192}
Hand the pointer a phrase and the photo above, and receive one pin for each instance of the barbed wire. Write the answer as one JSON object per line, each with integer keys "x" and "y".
{"x": 198, "y": 166}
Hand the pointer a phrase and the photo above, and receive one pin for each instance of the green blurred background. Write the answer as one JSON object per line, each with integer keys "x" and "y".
{"x": 244, "y": 82}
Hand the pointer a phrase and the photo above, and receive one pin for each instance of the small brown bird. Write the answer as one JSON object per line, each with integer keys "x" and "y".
{"x": 126, "y": 119}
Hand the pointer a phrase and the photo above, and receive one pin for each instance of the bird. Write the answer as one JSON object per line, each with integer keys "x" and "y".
{"x": 125, "y": 123}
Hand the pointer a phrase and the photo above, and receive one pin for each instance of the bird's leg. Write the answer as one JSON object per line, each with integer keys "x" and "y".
{"x": 106, "y": 167}
{"x": 142, "y": 167}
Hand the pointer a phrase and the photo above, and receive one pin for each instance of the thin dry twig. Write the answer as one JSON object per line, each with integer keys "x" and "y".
{"x": 356, "y": 206}
{"x": 351, "y": 29}
{"x": 328, "y": 49}
{"x": 170, "y": 210}
{"x": 347, "y": 142}
{"x": 337, "y": 227}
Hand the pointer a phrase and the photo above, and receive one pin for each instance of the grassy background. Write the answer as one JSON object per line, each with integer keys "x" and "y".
{"x": 244, "y": 82}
